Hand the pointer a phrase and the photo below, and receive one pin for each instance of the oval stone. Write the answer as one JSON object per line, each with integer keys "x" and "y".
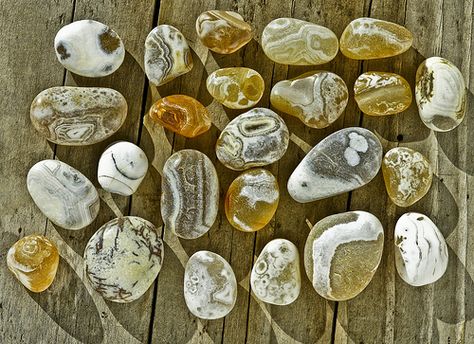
{"x": 421, "y": 253}
{"x": 210, "y": 287}
{"x": 76, "y": 116}
{"x": 123, "y": 258}
{"x": 167, "y": 55}
{"x": 276, "y": 276}
{"x": 316, "y": 98}
{"x": 342, "y": 162}
{"x": 296, "y": 42}
{"x": 369, "y": 38}
{"x": 380, "y": 93}
{"x": 63, "y": 194}
{"x": 342, "y": 253}
{"x": 252, "y": 200}
{"x": 122, "y": 168}
{"x": 236, "y": 87}
{"x": 257, "y": 137}
{"x": 89, "y": 48}
{"x": 190, "y": 194}
{"x": 440, "y": 94}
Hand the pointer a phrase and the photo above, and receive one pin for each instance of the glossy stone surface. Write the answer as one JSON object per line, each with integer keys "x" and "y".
{"x": 369, "y": 38}
{"x": 297, "y": 42}
{"x": 421, "y": 253}
{"x": 210, "y": 287}
{"x": 342, "y": 162}
{"x": 236, "y": 87}
{"x": 77, "y": 116}
{"x": 342, "y": 253}
{"x": 276, "y": 276}
{"x": 257, "y": 137}
{"x": 123, "y": 258}
{"x": 223, "y": 32}
{"x": 407, "y": 175}
{"x": 182, "y": 114}
{"x": 440, "y": 94}
{"x": 252, "y": 200}
{"x": 63, "y": 194}
{"x": 190, "y": 194}
{"x": 167, "y": 55}
{"x": 34, "y": 261}
{"x": 89, "y": 48}
{"x": 122, "y": 168}
{"x": 380, "y": 93}
{"x": 316, "y": 98}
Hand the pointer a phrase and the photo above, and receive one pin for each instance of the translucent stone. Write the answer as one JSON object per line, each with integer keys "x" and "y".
{"x": 123, "y": 258}
{"x": 223, "y": 32}
{"x": 316, "y": 98}
{"x": 89, "y": 48}
{"x": 252, "y": 200}
{"x": 167, "y": 55}
{"x": 190, "y": 194}
{"x": 380, "y": 93}
{"x": 257, "y": 137}
{"x": 122, "y": 168}
{"x": 342, "y": 162}
{"x": 182, "y": 114}
{"x": 276, "y": 276}
{"x": 236, "y": 87}
{"x": 210, "y": 287}
{"x": 421, "y": 253}
{"x": 77, "y": 116}
{"x": 297, "y": 42}
{"x": 63, "y": 194}
{"x": 342, "y": 253}
{"x": 369, "y": 38}
{"x": 407, "y": 175}
{"x": 440, "y": 93}
{"x": 34, "y": 261}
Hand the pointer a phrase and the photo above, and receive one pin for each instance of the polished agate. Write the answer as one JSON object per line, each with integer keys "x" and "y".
{"x": 77, "y": 116}
{"x": 252, "y": 200}
{"x": 63, "y": 194}
{"x": 369, "y": 38}
{"x": 342, "y": 162}
{"x": 296, "y": 42}
{"x": 380, "y": 93}
{"x": 34, "y": 261}
{"x": 167, "y": 55}
{"x": 181, "y": 114}
{"x": 316, "y": 98}
{"x": 223, "y": 32}
{"x": 190, "y": 194}
{"x": 123, "y": 258}
{"x": 440, "y": 94}
{"x": 236, "y": 87}
{"x": 257, "y": 137}
{"x": 342, "y": 253}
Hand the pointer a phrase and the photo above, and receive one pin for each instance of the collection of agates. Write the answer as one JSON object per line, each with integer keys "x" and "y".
{"x": 342, "y": 252}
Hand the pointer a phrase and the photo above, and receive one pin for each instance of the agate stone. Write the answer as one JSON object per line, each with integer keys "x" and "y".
{"x": 76, "y": 116}
{"x": 342, "y": 253}
{"x": 123, "y": 258}
{"x": 190, "y": 194}
{"x": 34, "y": 261}
{"x": 210, "y": 287}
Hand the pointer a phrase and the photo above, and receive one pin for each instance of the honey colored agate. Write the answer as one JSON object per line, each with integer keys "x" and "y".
{"x": 34, "y": 261}
{"x": 182, "y": 114}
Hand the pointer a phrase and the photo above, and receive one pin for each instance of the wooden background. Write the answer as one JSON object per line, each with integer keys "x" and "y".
{"x": 388, "y": 311}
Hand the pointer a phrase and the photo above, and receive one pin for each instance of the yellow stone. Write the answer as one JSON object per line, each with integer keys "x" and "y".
{"x": 380, "y": 94}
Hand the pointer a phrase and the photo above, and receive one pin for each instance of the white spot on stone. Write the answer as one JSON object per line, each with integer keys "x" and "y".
{"x": 351, "y": 156}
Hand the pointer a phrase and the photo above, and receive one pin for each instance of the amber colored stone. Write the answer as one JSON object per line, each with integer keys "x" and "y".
{"x": 34, "y": 261}
{"x": 380, "y": 93}
{"x": 182, "y": 114}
